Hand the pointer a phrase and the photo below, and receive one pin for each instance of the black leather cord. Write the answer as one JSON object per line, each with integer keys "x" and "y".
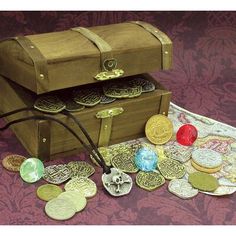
{"x": 101, "y": 162}
{"x": 76, "y": 120}
{"x": 17, "y": 111}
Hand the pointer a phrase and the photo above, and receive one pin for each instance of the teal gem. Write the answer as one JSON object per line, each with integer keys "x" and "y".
{"x": 31, "y": 170}
{"x": 146, "y": 159}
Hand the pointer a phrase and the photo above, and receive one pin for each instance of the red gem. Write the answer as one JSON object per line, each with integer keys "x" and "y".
{"x": 186, "y": 135}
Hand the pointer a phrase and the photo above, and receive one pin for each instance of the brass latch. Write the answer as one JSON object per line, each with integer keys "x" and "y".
{"x": 106, "y": 75}
{"x": 106, "y": 124}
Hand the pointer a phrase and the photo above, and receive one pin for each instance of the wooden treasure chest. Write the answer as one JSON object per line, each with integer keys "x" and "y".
{"x": 83, "y": 59}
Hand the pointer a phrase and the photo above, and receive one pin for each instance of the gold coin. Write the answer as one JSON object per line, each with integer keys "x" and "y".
{"x": 123, "y": 158}
{"x": 88, "y": 97}
{"x": 204, "y": 169}
{"x": 147, "y": 86}
{"x": 47, "y": 192}
{"x": 106, "y": 154}
{"x": 171, "y": 169}
{"x": 72, "y": 106}
{"x": 160, "y": 152}
{"x": 84, "y": 185}
{"x": 159, "y": 129}
{"x": 121, "y": 90}
{"x": 149, "y": 180}
{"x": 49, "y": 104}
{"x": 13, "y": 162}
{"x": 76, "y": 197}
{"x": 80, "y": 168}
{"x": 106, "y": 100}
{"x": 203, "y": 181}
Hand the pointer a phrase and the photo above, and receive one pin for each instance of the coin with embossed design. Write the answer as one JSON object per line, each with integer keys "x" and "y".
{"x": 56, "y": 174}
{"x": 160, "y": 152}
{"x": 134, "y": 91}
{"x": 13, "y": 162}
{"x": 159, "y": 129}
{"x": 147, "y": 86}
{"x": 60, "y": 209}
{"x": 88, "y": 97}
{"x": 149, "y": 180}
{"x": 72, "y": 106}
{"x": 124, "y": 162}
{"x": 49, "y": 104}
{"x": 207, "y": 158}
{"x": 178, "y": 152}
{"x": 84, "y": 185}
{"x": 171, "y": 169}
{"x": 106, "y": 100}
{"x": 182, "y": 188}
{"x": 80, "y": 168}
{"x": 121, "y": 90}
{"x": 106, "y": 154}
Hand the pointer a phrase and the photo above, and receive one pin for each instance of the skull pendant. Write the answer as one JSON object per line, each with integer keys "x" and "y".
{"x": 117, "y": 183}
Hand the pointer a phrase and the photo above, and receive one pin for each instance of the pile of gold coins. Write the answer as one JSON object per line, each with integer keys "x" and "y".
{"x": 74, "y": 100}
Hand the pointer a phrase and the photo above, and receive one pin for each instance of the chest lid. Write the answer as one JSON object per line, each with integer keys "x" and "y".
{"x": 58, "y": 60}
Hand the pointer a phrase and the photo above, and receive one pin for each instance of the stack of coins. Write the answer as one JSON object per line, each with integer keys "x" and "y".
{"x": 61, "y": 205}
{"x": 206, "y": 160}
{"x": 64, "y": 205}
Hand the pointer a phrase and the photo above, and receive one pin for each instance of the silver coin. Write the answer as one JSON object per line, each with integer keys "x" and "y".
{"x": 56, "y": 174}
{"x": 177, "y": 152}
{"x": 226, "y": 182}
{"x": 207, "y": 158}
{"x": 182, "y": 188}
{"x": 148, "y": 87}
{"x": 222, "y": 191}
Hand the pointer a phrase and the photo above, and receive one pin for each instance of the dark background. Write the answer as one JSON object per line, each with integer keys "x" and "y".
{"x": 203, "y": 76}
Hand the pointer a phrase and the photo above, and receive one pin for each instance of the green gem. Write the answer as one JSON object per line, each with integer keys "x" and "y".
{"x": 31, "y": 170}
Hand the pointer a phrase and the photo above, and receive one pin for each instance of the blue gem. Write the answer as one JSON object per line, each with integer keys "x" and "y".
{"x": 146, "y": 159}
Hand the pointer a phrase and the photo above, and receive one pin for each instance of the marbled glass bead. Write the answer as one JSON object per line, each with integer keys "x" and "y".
{"x": 31, "y": 170}
{"x": 146, "y": 159}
